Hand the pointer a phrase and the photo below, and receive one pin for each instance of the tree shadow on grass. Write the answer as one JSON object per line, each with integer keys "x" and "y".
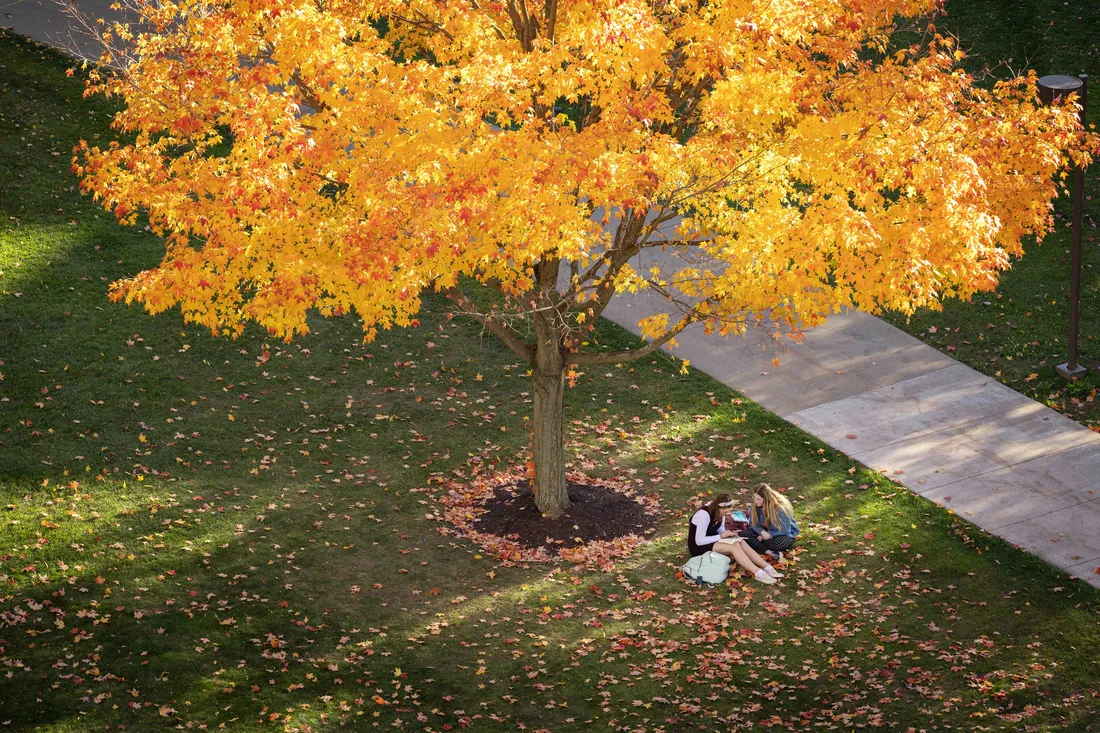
{"x": 195, "y": 631}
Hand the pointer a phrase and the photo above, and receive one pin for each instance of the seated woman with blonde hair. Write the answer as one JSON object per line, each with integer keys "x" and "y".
{"x": 707, "y": 533}
{"x": 772, "y": 529}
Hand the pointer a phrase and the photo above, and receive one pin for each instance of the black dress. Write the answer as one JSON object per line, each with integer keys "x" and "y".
{"x": 712, "y": 529}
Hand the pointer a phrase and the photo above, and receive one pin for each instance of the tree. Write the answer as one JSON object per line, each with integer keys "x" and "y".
{"x": 789, "y": 158}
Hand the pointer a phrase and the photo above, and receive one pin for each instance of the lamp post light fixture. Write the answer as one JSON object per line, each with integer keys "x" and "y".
{"x": 1052, "y": 88}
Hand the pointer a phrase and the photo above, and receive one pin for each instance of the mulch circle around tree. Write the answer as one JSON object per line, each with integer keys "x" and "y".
{"x": 597, "y": 513}
{"x": 611, "y": 518}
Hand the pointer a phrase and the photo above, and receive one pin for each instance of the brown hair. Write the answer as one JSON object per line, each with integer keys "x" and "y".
{"x": 774, "y": 503}
{"x": 713, "y": 508}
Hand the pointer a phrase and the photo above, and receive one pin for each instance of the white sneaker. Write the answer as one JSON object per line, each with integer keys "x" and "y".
{"x": 772, "y": 572}
{"x": 777, "y": 556}
{"x": 763, "y": 577}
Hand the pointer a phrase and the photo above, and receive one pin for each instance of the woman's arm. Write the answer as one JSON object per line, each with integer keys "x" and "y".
{"x": 787, "y": 526}
{"x": 790, "y": 527}
{"x": 724, "y": 531}
{"x": 699, "y": 523}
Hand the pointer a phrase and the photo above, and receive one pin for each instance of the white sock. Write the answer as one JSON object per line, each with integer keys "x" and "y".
{"x": 763, "y": 577}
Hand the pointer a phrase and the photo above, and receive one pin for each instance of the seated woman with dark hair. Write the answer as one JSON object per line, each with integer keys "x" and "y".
{"x": 707, "y": 533}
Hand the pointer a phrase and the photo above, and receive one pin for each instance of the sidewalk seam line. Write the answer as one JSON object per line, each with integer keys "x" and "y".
{"x": 791, "y": 414}
{"x": 891, "y": 386}
{"x": 1029, "y": 460}
{"x": 1025, "y": 399}
{"x": 928, "y": 432}
{"x": 1087, "y": 501}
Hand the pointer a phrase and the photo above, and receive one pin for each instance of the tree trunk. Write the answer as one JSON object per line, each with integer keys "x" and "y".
{"x": 548, "y": 441}
{"x": 548, "y": 435}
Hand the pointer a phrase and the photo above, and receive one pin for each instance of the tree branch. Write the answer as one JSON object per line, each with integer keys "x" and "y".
{"x": 550, "y": 11}
{"x": 612, "y": 357}
{"x": 676, "y": 243}
{"x": 605, "y": 291}
{"x": 425, "y": 23}
{"x": 500, "y": 34}
{"x": 496, "y": 326}
{"x": 615, "y": 259}
{"x": 518, "y": 14}
{"x": 309, "y": 96}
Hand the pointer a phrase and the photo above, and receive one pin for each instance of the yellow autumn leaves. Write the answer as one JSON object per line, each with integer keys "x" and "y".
{"x": 347, "y": 157}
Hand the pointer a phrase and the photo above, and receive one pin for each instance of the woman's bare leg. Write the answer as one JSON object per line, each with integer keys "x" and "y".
{"x": 753, "y": 557}
{"x": 737, "y": 552}
{"x": 723, "y": 548}
{"x": 731, "y": 551}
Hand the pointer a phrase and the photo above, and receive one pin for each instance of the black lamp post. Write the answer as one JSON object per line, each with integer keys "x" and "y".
{"x": 1052, "y": 88}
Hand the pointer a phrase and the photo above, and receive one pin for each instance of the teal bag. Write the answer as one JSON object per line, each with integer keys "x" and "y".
{"x": 710, "y": 567}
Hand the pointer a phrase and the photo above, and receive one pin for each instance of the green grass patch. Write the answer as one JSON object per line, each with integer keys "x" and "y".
{"x": 195, "y": 536}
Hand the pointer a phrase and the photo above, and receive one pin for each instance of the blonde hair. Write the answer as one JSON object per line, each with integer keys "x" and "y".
{"x": 774, "y": 504}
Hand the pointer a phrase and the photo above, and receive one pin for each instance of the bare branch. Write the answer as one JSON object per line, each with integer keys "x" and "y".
{"x": 425, "y": 24}
{"x": 612, "y": 357}
{"x": 309, "y": 96}
{"x": 614, "y": 257}
{"x": 605, "y": 291}
{"x": 500, "y": 34}
{"x": 103, "y": 37}
{"x": 497, "y": 326}
{"x": 615, "y": 260}
{"x": 676, "y": 243}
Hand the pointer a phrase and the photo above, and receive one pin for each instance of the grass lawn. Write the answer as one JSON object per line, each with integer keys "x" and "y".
{"x": 1019, "y": 334}
{"x": 207, "y": 534}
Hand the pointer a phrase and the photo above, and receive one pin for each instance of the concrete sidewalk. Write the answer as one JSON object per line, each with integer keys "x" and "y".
{"x": 47, "y": 22}
{"x": 951, "y": 434}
